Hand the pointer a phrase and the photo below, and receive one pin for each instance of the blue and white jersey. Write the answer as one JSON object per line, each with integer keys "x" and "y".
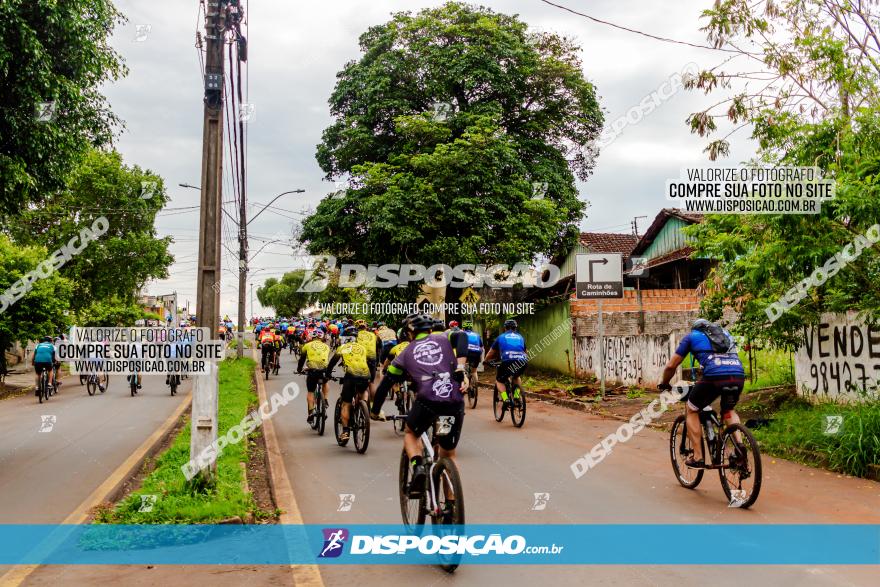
{"x": 475, "y": 342}
{"x": 512, "y": 346}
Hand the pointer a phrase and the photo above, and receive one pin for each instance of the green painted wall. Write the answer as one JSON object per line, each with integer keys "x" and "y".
{"x": 556, "y": 354}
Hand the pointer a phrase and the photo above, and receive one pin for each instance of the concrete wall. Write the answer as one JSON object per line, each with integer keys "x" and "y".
{"x": 841, "y": 356}
{"x": 641, "y": 331}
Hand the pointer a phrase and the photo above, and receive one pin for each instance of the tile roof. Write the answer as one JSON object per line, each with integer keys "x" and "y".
{"x": 609, "y": 242}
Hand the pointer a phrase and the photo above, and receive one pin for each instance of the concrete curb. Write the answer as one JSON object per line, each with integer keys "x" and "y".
{"x": 279, "y": 483}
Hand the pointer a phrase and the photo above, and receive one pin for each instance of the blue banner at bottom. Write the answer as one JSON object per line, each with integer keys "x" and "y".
{"x": 577, "y": 544}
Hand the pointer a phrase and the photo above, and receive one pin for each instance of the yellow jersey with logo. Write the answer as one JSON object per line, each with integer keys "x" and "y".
{"x": 397, "y": 349}
{"x": 317, "y": 354}
{"x": 354, "y": 359}
{"x": 367, "y": 339}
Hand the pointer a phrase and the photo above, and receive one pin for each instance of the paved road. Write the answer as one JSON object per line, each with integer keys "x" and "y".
{"x": 44, "y": 476}
{"x": 503, "y": 467}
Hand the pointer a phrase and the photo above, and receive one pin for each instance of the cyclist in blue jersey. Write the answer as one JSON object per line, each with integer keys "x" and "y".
{"x": 475, "y": 349}
{"x": 510, "y": 347}
{"x": 44, "y": 360}
{"x": 723, "y": 375}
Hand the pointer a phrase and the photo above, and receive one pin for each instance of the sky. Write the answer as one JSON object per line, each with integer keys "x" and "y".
{"x": 295, "y": 50}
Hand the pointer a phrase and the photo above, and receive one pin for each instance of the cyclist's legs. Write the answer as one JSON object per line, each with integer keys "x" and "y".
{"x": 517, "y": 369}
{"x": 311, "y": 387}
{"x": 703, "y": 394}
{"x": 502, "y": 374}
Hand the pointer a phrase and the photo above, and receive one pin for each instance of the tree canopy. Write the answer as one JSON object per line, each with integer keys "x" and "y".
{"x": 817, "y": 104}
{"x": 54, "y": 56}
{"x": 460, "y": 134}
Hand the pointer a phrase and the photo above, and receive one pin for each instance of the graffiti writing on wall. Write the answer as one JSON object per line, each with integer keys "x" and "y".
{"x": 840, "y": 357}
{"x": 629, "y": 360}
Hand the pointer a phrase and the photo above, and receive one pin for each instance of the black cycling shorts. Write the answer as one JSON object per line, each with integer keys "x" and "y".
{"x": 708, "y": 389}
{"x": 424, "y": 412}
{"x": 386, "y": 348}
{"x": 352, "y": 386}
{"x": 43, "y": 366}
{"x": 371, "y": 363}
{"x": 313, "y": 377}
{"x": 474, "y": 358}
{"x": 510, "y": 369}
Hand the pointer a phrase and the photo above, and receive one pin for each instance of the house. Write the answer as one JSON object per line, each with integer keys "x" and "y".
{"x": 640, "y": 330}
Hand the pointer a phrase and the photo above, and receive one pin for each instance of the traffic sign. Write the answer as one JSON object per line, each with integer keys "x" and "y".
{"x": 599, "y": 276}
{"x": 469, "y": 297}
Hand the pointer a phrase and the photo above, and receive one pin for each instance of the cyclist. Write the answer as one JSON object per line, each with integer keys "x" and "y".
{"x": 388, "y": 339}
{"x": 267, "y": 348}
{"x": 510, "y": 347}
{"x": 373, "y": 346}
{"x": 723, "y": 376}
{"x": 316, "y": 356}
{"x": 438, "y": 326}
{"x": 435, "y": 363}
{"x": 376, "y": 412}
{"x": 453, "y": 326}
{"x": 357, "y": 373}
{"x": 44, "y": 359}
{"x": 475, "y": 349}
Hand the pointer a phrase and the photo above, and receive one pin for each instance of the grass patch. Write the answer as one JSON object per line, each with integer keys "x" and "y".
{"x": 800, "y": 431}
{"x": 233, "y": 344}
{"x": 178, "y": 501}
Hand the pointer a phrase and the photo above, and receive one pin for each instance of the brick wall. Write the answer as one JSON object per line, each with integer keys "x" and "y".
{"x": 640, "y": 331}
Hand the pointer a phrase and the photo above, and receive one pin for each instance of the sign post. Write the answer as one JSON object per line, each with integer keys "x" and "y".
{"x": 599, "y": 277}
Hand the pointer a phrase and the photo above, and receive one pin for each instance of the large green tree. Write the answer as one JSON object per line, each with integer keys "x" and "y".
{"x": 55, "y": 53}
{"x": 813, "y": 69}
{"x": 29, "y": 308}
{"x": 116, "y": 265}
{"x": 461, "y": 134}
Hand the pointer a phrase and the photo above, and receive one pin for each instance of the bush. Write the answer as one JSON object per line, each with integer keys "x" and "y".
{"x": 806, "y": 433}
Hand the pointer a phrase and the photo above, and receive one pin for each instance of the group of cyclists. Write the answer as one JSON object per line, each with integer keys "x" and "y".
{"x": 375, "y": 359}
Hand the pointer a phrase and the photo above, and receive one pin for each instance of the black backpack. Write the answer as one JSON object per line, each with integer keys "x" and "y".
{"x": 721, "y": 342}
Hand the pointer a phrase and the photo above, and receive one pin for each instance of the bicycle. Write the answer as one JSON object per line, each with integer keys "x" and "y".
{"x": 442, "y": 498}
{"x": 320, "y": 419}
{"x": 53, "y": 389}
{"x": 43, "y": 386}
{"x": 720, "y": 451}
{"x": 93, "y": 383}
{"x": 174, "y": 383}
{"x": 515, "y": 404}
{"x": 403, "y": 402}
{"x": 358, "y": 423}
{"x": 472, "y": 387}
{"x": 133, "y": 383}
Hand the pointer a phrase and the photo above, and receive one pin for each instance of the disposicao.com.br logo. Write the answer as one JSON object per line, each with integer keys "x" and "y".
{"x": 413, "y": 545}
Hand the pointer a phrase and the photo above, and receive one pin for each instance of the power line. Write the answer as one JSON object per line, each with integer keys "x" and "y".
{"x": 642, "y": 33}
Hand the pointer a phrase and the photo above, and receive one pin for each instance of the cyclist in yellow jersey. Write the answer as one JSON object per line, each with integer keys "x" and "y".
{"x": 376, "y": 412}
{"x": 356, "y": 380}
{"x": 373, "y": 346}
{"x": 315, "y": 356}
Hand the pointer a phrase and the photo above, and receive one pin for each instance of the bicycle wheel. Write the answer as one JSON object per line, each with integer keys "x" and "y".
{"x": 497, "y": 405}
{"x": 450, "y": 503}
{"x": 412, "y": 510}
{"x": 91, "y": 385}
{"x": 472, "y": 395}
{"x": 321, "y": 415}
{"x": 361, "y": 428}
{"x": 518, "y": 407}
{"x": 740, "y": 470}
{"x": 41, "y": 387}
{"x": 679, "y": 450}
{"x": 337, "y": 422}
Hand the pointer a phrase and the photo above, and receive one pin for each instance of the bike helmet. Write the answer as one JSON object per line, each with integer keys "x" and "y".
{"x": 319, "y": 334}
{"x": 401, "y": 335}
{"x": 350, "y": 332}
{"x": 46, "y": 339}
{"x": 510, "y": 324}
{"x": 453, "y": 323}
{"x": 421, "y": 323}
{"x": 360, "y": 323}
{"x": 467, "y": 324}
{"x": 439, "y": 326}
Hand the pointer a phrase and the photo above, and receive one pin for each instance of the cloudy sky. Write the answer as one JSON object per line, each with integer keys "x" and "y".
{"x": 295, "y": 50}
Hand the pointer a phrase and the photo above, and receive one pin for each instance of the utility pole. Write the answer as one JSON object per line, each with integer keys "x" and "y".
{"x": 206, "y": 387}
